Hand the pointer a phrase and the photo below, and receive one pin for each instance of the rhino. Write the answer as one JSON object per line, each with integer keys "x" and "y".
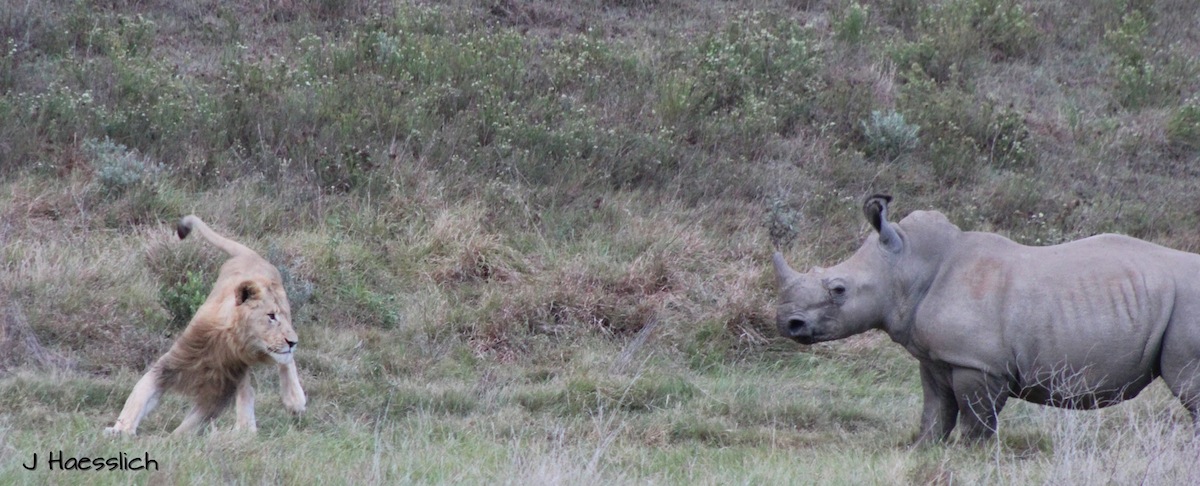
{"x": 1080, "y": 325}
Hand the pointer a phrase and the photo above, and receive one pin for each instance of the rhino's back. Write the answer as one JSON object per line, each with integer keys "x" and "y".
{"x": 1083, "y": 318}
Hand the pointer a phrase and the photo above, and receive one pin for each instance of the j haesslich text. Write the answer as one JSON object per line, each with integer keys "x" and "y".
{"x": 121, "y": 462}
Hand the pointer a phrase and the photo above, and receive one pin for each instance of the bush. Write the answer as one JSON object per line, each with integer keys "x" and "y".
{"x": 953, "y": 119}
{"x": 1183, "y": 129}
{"x": 349, "y": 169}
{"x": 781, "y": 224}
{"x": 757, "y": 75}
{"x": 182, "y": 298}
{"x": 854, "y": 25}
{"x": 953, "y": 38}
{"x": 889, "y": 136}
{"x": 1006, "y": 139}
{"x": 1004, "y": 27}
{"x": 904, "y": 14}
{"x": 117, "y": 167}
{"x": 954, "y": 158}
{"x": 1139, "y": 81}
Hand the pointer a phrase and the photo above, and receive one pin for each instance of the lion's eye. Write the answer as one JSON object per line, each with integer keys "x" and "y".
{"x": 271, "y": 316}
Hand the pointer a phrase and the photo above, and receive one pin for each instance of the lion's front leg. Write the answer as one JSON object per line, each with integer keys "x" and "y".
{"x": 245, "y": 406}
{"x": 289, "y": 388}
{"x": 141, "y": 401}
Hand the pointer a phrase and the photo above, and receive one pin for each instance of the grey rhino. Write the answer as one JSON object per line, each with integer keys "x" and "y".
{"x": 1080, "y": 325}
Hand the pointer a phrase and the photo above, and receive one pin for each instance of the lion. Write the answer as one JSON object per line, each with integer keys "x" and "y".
{"x": 245, "y": 321}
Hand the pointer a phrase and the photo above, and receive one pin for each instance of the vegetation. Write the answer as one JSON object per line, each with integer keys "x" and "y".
{"x": 529, "y": 240}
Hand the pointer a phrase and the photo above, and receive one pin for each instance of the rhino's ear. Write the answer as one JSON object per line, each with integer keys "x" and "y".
{"x": 783, "y": 272}
{"x": 875, "y": 208}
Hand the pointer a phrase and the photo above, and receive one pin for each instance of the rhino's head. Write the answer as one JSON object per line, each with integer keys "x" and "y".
{"x": 862, "y": 292}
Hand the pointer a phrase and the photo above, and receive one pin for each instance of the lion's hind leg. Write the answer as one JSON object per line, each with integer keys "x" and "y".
{"x": 141, "y": 401}
{"x": 196, "y": 418}
{"x": 204, "y": 411}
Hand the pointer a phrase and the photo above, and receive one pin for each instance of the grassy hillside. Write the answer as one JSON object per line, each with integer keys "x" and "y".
{"x": 528, "y": 241}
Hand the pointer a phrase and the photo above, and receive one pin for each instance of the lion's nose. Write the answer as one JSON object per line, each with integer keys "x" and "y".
{"x": 291, "y": 344}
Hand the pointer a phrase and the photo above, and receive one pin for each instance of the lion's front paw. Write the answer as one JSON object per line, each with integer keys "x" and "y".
{"x": 114, "y": 431}
{"x": 245, "y": 428}
{"x": 295, "y": 401}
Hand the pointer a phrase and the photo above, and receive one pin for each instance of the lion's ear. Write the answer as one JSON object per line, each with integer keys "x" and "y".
{"x": 248, "y": 290}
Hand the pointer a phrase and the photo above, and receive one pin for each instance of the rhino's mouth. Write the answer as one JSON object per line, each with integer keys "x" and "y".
{"x": 805, "y": 339}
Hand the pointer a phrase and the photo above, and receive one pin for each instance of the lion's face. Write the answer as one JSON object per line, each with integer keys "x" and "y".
{"x": 266, "y": 316}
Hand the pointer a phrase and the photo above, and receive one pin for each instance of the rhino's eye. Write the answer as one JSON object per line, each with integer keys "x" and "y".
{"x": 838, "y": 290}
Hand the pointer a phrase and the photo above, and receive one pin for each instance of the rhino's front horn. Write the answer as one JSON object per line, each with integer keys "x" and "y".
{"x": 784, "y": 272}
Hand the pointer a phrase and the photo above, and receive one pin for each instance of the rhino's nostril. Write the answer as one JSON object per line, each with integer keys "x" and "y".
{"x": 795, "y": 325}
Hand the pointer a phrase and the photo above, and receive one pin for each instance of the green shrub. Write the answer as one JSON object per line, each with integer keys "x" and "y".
{"x": 847, "y": 97}
{"x": 754, "y": 78}
{"x": 143, "y": 104}
{"x": 8, "y": 65}
{"x": 121, "y": 35}
{"x": 58, "y": 113}
{"x": 182, "y": 298}
{"x": 954, "y": 38}
{"x": 781, "y": 223}
{"x": 904, "y": 14}
{"x": 1006, "y": 141}
{"x": 954, "y": 158}
{"x": 1128, "y": 40}
{"x": 343, "y": 171}
{"x": 1140, "y": 82}
{"x": 1183, "y": 128}
{"x": 1142, "y": 85}
{"x": 854, "y": 25}
{"x": 952, "y": 120}
{"x": 117, "y": 167}
{"x": 1004, "y": 27}
{"x": 889, "y": 136}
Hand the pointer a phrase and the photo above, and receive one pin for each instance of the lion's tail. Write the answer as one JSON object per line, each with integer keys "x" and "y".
{"x": 191, "y": 222}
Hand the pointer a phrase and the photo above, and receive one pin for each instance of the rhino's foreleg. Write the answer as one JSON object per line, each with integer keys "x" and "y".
{"x": 941, "y": 407}
{"x": 980, "y": 396}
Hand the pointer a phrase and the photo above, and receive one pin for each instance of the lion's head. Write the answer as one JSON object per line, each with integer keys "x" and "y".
{"x": 265, "y": 320}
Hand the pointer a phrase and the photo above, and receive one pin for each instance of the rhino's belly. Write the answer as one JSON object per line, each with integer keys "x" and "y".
{"x": 1080, "y": 391}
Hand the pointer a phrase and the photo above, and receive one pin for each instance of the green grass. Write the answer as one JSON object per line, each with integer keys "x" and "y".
{"x": 529, "y": 241}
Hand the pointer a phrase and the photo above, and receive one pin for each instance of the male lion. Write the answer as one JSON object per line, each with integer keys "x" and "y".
{"x": 246, "y": 320}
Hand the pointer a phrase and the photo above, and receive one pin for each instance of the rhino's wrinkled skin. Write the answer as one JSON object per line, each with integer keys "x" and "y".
{"x": 1084, "y": 324}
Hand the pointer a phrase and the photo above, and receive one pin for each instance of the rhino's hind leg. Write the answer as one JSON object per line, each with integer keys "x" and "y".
{"x": 980, "y": 398}
{"x": 1180, "y": 365}
{"x": 1184, "y": 382}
